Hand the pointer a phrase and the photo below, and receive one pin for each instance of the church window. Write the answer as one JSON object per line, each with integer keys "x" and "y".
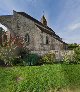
{"x": 47, "y": 40}
{"x": 18, "y": 25}
{"x": 27, "y": 38}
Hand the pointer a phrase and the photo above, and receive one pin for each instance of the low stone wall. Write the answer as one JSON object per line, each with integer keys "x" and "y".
{"x": 40, "y": 52}
{"x": 58, "y": 53}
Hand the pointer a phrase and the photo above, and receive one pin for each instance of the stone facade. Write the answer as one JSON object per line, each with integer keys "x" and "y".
{"x": 39, "y": 37}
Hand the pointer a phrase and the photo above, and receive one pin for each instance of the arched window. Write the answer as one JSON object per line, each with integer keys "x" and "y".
{"x": 27, "y": 38}
{"x": 18, "y": 25}
{"x": 47, "y": 40}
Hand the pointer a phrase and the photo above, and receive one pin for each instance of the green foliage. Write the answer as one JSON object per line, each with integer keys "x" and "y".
{"x": 17, "y": 56}
{"x": 43, "y": 78}
{"x": 72, "y": 46}
{"x": 77, "y": 55}
{"x": 31, "y": 59}
{"x": 27, "y": 58}
{"x": 48, "y": 58}
{"x": 68, "y": 59}
{"x": 73, "y": 58}
{"x": 8, "y": 54}
{"x": 17, "y": 62}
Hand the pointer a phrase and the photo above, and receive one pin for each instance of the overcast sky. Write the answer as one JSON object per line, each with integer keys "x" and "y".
{"x": 63, "y": 16}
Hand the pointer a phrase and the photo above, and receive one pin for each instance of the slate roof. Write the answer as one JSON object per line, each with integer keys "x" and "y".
{"x": 41, "y": 26}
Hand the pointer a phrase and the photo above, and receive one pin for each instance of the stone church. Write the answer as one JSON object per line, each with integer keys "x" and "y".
{"x": 27, "y": 31}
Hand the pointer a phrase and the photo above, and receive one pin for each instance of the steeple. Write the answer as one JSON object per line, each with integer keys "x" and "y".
{"x": 43, "y": 20}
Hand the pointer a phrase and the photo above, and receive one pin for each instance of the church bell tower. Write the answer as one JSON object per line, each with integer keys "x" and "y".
{"x": 44, "y": 21}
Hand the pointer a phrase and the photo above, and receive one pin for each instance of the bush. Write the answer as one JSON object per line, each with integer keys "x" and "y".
{"x": 23, "y": 52}
{"x": 30, "y": 59}
{"x": 7, "y": 55}
{"x": 2, "y": 63}
{"x": 68, "y": 57}
{"x": 13, "y": 55}
{"x": 26, "y": 58}
{"x": 73, "y": 58}
{"x": 77, "y": 55}
{"x": 17, "y": 61}
{"x": 48, "y": 58}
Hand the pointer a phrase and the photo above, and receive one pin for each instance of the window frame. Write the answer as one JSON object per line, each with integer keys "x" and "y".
{"x": 27, "y": 38}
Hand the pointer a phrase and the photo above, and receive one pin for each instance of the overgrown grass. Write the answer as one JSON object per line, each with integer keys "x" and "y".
{"x": 43, "y": 78}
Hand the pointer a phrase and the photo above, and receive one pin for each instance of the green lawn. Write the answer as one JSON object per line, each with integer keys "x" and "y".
{"x": 45, "y": 78}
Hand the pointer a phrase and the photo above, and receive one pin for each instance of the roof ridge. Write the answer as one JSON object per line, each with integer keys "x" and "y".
{"x": 35, "y": 20}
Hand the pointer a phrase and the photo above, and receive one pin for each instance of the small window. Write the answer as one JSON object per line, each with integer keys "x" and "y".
{"x": 47, "y": 40}
{"x": 27, "y": 38}
{"x": 18, "y": 25}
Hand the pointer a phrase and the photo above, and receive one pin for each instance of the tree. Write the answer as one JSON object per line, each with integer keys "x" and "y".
{"x": 77, "y": 55}
{"x": 72, "y": 46}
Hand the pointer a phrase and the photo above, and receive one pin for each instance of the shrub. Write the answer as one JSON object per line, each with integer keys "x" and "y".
{"x": 27, "y": 58}
{"x": 23, "y": 52}
{"x": 30, "y": 59}
{"x": 48, "y": 58}
{"x": 13, "y": 55}
{"x": 17, "y": 61}
{"x": 72, "y": 58}
{"x": 7, "y": 54}
{"x": 33, "y": 59}
{"x": 69, "y": 58}
{"x": 77, "y": 55}
{"x": 2, "y": 63}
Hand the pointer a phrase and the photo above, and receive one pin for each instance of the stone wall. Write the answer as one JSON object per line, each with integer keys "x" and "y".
{"x": 59, "y": 54}
{"x": 22, "y": 26}
{"x": 40, "y": 39}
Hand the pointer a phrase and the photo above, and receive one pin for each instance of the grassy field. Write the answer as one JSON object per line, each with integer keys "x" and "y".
{"x": 45, "y": 78}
